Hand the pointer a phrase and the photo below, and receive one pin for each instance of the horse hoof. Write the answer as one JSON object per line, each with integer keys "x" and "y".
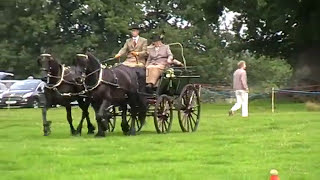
{"x": 74, "y": 133}
{"x": 99, "y": 135}
{"x": 46, "y": 133}
{"x": 90, "y": 132}
{"x": 132, "y": 133}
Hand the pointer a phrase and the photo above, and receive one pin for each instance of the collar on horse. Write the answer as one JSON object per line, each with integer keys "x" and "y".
{"x": 61, "y": 79}
{"x": 100, "y": 79}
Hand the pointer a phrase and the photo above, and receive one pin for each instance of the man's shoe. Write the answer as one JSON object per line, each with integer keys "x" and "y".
{"x": 231, "y": 113}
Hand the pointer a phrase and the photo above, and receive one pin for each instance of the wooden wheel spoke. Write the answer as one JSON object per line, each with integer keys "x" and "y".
{"x": 194, "y": 121}
{"x": 111, "y": 123}
{"x": 191, "y": 98}
{"x": 165, "y": 125}
{"x": 184, "y": 119}
{"x": 191, "y": 123}
{"x": 196, "y": 114}
{"x": 188, "y": 123}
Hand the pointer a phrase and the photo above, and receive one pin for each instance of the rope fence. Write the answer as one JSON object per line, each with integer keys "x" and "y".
{"x": 211, "y": 94}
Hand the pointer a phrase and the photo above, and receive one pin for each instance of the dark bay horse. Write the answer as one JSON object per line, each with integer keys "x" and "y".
{"x": 117, "y": 86}
{"x": 61, "y": 88}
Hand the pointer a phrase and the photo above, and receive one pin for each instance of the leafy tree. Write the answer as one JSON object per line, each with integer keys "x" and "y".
{"x": 275, "y": 28}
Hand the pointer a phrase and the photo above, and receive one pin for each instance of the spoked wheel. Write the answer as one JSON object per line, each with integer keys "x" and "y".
{"x": 163, "y": 114}
{"x": 111, "y": 111}
{"x": 127, "y": 115}
{"x": 189, "y": 110}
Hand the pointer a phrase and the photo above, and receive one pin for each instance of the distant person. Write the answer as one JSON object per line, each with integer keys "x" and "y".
{"x": 241, "y": 89}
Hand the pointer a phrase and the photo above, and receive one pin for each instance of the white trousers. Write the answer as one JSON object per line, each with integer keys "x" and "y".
{"x": 242, "y": 101}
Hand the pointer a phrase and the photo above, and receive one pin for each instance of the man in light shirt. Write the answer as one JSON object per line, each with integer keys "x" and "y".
{"x": 241, "y": 89}
{"x": 135, "y": 49}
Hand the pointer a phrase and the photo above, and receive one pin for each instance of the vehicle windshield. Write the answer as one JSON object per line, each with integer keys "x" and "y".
{"x": 25, "y": 85}
{"x": 2, "y": 87}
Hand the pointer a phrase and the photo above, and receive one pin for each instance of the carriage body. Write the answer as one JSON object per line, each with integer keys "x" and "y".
{"x": 174, "y": 79}
{"x": 178, "y": 91}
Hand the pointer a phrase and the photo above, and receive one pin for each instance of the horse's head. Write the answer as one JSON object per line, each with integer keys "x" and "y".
{"x": 81, "y": 63}
{"x": 44, "y": 63}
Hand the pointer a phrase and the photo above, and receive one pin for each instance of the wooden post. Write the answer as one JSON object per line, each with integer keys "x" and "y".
{"x": 272, "y": 100}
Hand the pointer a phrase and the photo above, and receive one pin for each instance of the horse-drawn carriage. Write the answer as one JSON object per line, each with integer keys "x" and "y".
{"x": 113, "y": 92}
{"x": 176, "y": 91}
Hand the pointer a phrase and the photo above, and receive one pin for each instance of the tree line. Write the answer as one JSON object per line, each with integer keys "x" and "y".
{"x": 64, "y": 27}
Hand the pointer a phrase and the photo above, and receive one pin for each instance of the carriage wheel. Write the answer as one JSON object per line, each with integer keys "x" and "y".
{"x": 112, "y": 120}
{"x": 189, "y": 110}
{"x": 127, "y": 115}
{"x": 163, "y": 114}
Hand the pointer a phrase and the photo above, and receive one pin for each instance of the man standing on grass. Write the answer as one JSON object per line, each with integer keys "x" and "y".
{"x": 241, "y": 89}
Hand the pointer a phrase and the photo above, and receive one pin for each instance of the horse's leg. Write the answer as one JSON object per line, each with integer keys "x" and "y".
{"x": 124, "y": 122}
{"x": 79, "y": 128}
{"x": 90, "y": 126}
{"x": 143, "y": 108}
{"x": 99, "y": 114}
{"x": 45, "y": 122}
{"x": 85, "y": 114}
{"x": 104, "y": 116}
{"x": 132, "y": 130}
{"x": 69, "y": 118}
{"x": 132, "y": 103}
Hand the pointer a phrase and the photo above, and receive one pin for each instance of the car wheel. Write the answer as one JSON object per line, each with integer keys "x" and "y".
{"x": 35, "y": 103}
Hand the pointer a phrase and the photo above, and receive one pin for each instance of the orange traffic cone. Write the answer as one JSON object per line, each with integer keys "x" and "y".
{"x": 274, "y": 175}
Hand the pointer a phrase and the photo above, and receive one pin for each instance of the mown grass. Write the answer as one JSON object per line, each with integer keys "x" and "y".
{"x": 222, "y": 148}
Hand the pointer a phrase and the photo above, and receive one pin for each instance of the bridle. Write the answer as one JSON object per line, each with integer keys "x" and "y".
{"x": 99, "y": 70}
{"x": 61, "y": 78}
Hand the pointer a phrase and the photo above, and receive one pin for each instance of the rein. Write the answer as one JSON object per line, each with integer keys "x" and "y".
{"x": 61, "y": 80}
{"x": 100, "y": 80}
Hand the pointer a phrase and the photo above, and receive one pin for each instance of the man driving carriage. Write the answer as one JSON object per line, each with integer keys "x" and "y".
{"x": 135, "y": 48}
{"x": 159, "y": 57}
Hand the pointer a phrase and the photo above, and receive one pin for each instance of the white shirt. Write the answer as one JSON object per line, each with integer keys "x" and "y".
{"x": 136, "y": 38}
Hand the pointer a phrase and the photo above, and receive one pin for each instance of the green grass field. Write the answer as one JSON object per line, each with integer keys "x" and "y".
{"x": 222, "y": 148}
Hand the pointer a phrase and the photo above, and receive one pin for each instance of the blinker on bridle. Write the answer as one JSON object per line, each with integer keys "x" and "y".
{"x": 83, "y": 55}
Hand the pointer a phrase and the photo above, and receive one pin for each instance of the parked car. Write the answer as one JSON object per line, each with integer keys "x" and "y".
{"x": 6, "y": 75}
{"x": 23, "y": 93}
{"x": 8, "y": 83}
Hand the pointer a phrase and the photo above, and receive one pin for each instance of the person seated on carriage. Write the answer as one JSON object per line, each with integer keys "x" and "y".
{"x": 160, "y": 57}
{"x": 135, "y": 49}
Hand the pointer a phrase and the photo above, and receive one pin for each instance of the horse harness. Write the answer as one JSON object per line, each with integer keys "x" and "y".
{"x": 61, "y": 80}
{"x": 100, "y": 79}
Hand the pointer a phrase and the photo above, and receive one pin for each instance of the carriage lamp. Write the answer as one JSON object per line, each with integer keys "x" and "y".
{"x": 170, "y": 73}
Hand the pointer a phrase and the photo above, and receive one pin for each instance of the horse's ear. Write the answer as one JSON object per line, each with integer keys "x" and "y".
{"x": 162, "y": 34}
{"x": 74, "y": 61}
{"x": 38, "y": 61}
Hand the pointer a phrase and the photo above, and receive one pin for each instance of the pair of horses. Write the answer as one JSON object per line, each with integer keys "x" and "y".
{"x": 89, "y": 82}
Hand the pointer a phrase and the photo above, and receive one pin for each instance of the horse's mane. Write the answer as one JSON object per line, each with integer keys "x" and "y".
{"x": 58, "y": 61}
{"x": 91, "y": 56}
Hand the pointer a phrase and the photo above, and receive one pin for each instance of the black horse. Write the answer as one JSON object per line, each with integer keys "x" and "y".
{"x": 116, "y": 86}
{"x": 62, "y": 89}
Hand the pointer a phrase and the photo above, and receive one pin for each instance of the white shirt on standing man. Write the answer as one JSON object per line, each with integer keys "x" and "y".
{"x": 240, "y": 86}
